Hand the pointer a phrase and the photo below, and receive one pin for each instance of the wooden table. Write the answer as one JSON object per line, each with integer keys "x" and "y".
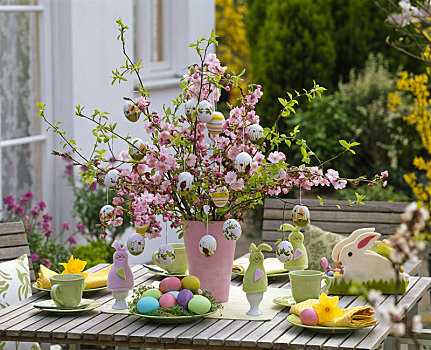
{"x": 22, "y": 322}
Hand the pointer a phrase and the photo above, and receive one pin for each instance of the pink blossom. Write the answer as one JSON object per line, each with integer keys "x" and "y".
{"x": 66, "y": 226}
{"x": 81, "y": 228}
{"x": 34, "y": 257}
{"x": 384, "y": 174}
{"x": 46, "y": 262}
{"x": 116, "y": 222}
{"x": 332, "y": 175}
{"x": 275, "y": 157}
{"x": 41, "y": 205}
{"x": 72, "y": 240}
{"x": 237, "y": 185}
{"x": 230, "y": 177}
{"x": 142, "y": 103}
{"x": 124, "y": 155}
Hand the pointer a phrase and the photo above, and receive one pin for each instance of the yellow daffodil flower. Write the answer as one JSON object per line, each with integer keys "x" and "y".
{"x": 327, "y": 308}
{"x": 75, "y": 266}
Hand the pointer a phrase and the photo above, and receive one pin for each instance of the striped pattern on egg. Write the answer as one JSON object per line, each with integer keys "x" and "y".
{"x": 215, "y": 125}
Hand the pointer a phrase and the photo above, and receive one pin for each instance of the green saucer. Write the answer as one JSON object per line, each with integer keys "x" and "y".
{"x": 92, "y": 304}
{"x": 34, "y": 285}
{"x": 284, "y": 301}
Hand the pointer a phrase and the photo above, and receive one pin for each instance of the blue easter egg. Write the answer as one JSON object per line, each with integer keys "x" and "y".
{"x": 175, "y": 293}
{"x": 330, "y": 273}
{"x": 147, "y": 304}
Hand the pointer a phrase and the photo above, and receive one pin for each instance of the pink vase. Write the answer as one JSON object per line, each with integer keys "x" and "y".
{"x": 215, "y": 271}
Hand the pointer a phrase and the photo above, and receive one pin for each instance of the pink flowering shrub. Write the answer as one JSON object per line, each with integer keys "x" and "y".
{"x": 177, "y": 141}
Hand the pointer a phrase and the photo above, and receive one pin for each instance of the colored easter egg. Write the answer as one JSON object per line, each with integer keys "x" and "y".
{"x": 167, "y": 300}
{"x": 243, "y": 163}
{"x": 141, "y": 229}
{"x": 215, "y": 125}
{"x": 185, "y": 182}
{"x": 220, "y": 196}
{"x": 256, "y": 134}
{"x": 300, "y": 215}
{"x": 284, "y": 251}
{"x": 281, "y": 175}
{"x": 136, "y": 150}
{"x": 184, "y": 297}
{"x": 309, "y": 317}
{"x": 232, "y": 230}
{"x": 199, "y": 305}
{"x": 330, "y": 273}
{"x": 205, "y": 111}
{"x": 131, "y": 111}
{"x": 106, "y": 213}
{"x": 135, "y": 244}
{"x": 174, "y": 293}
{"x": 155, "y": 293}
{"x": 190, "y": 106}
{"x": 191, "y": 282}
{"x": 112, "y": 178}
{"x": 146, "y": 305}
{"x": 169, "y": 284}
{"x": 207, "y": 245}
{"x": 166, "y": 255}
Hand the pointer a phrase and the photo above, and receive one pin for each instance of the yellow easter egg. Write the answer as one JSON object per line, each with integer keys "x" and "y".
{"x": 191, "y": 283}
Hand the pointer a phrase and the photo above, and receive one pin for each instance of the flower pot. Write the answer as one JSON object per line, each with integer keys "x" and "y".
{"x": 215, "y": 271}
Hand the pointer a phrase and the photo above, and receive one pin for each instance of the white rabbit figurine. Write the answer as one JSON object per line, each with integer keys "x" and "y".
{"x": 337, "y": 249}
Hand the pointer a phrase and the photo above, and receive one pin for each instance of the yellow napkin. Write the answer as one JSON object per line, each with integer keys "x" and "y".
{"x": 93, "y": 280}
{"x": 272, "y": 265}
{"x": 358, "y": 316}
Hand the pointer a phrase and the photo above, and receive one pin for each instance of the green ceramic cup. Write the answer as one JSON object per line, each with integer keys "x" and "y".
{"x": 66, "y": 289}
{"x": 307, "y": 284}
{"x": 179, "y": 266}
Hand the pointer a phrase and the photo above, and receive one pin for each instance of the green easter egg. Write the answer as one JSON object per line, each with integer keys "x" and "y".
{"x": 155, "y": 293}
{"x": 199, "y": 305}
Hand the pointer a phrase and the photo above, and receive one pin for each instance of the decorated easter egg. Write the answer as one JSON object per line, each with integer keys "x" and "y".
{"x": 243, "y": 163}
{"x": 220, "y": 196}
{"x": 190, "y": 106}
{"x": 191, "y": 282}
{"x": 300, "y": 215}
{"x": 309, "y": 317}
{"x": 207, "y": 245}
{"x": 155, "y": 293}
{"x": 112, "y": 178}
{"x": 131, "y": 111}
{"x": 136, "y": 150}
{"x": 184, "y": 297}
{"x": 167, "y": 300}
{"x": 174, "y": 293}
{"x": 284, "y": 251}
{"x": 199, "y": 305}
{"x": 166, "y": 254}
{"x": 146, "y": 305}
{"x": 135, "y": 244}
{"x": 281, "y": 174}
{"x": 232, "y": 230}
{"x": 141, "y": 229}
{"x": 215, "y": 125}
{"x": 169, "y": 284}
{"x": 185, "y": 182}
{"x": 256, "y": 134}
{"x": 205, "y": 111}
{"x": 106, "y": 214}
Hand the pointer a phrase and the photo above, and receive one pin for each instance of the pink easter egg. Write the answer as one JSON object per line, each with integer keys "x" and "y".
{"x": 309, "y": 317}
{"x": 169, "y": 284}
{"x": 167, "y": 300}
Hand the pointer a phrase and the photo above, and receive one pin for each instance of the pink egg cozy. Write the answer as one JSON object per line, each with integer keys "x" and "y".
{"x": 120, "y": 269}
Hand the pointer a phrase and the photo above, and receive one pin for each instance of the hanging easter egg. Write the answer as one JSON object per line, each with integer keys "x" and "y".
{"x": 112, "y": 178}
{"x": 136, "y": 151}
{"x": 166, "y": 255}
{"x": 256, "y": 134}
{"x": 141, "y": 229}
{"x": 106, "y": 213}
{"x": 220, "y": 196}
{"x": 300, "y": 215}
{"x": 205, "y": 111}
{"x": 281, "y": 174}
{"x": 131, "y": 111}
{"x": 136, "y": 244}
{"x": 185, "y": 182}
{"x": 284, "y": 251}
{"x": 215, "y": 125}
{"x": 232, "y": 230}
{"x": 207, "y": 245}
{"x": 243, "y": 163}
{"x": 190, "y": 106}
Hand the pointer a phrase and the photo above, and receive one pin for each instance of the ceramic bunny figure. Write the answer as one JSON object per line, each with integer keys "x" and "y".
{"x": 255, "y": 281}
{"x": 300, "y": 257}
{"x": 120, "y": 277}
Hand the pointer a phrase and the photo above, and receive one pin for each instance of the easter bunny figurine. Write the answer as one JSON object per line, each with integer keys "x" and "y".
{"x": 255, "y": 281}
{"x": 300, "y": 257}
{"x": 120, "y": 277}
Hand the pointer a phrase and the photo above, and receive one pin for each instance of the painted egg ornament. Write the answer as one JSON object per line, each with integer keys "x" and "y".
{"x": 284, "y": 251}
{"x": 166, "y": 255}
{"x": 112, "y": 178}
{"x": 131, "y": 111}
{"x": 280, "y": 175}
{"x": 215, "y": 125}
{"x": 136, "y": 244}
{"x": 205, "y": 111}
{"x": 190, "y": 106}
{"x": 300, "y": 215}
{"x": 243, "y": 162}
{"x": 232, "y": 230}
{"x": 256, "y": 134}
{"x": 136, "y": 151}
{"x": 220, "y": 196}
{"x": 207, "y": 245}
{"x": 106, "y": 213}
{"x": 141, "y": 229}
{"x": 185, "y": 182}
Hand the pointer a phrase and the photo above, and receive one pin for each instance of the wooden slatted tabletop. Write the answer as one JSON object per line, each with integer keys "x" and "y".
{"x": 22, "y": 322}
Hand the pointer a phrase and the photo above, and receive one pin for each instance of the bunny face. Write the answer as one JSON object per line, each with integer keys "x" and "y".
{"x": 296, "y": 237}
{"x": 256, "y": 258}
{"x": 353, "y": 253}
{"x": 120, "y": 256}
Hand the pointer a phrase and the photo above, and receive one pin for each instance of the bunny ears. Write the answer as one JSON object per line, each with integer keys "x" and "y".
{"x": 261, "y": 247}
{"x": 117, "y": 246}
{"x": 340, "y": 245}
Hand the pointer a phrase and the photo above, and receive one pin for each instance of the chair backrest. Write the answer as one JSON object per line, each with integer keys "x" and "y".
{"x": 13, "y": 243}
